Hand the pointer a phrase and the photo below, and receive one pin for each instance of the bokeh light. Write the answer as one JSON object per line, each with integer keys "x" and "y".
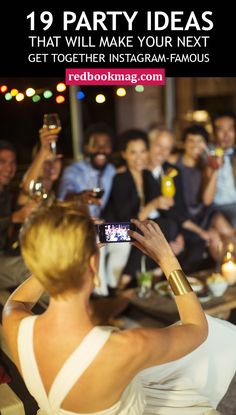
{"x": 100, "y": 99}
{"x": 3, "y": 88}
{"x": 61, "y": 87}
{"x": 80, "y": 95}
{"x": 14, "y": 92}
{"x": 47, "y": 94}
{"x": 139, "y": 88}
{"x": 60, "y": 99}
{"x": 8, "y": 96}
{"x": 36, "y": 98}
{"x": 20, "y": 97}
{"x": 121, "y": 92}
{"x": 30, "y": 92}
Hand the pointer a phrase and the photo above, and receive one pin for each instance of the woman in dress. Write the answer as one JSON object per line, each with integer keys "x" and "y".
{"x": 71, "y": 366}
{"x": 131, "y": 191}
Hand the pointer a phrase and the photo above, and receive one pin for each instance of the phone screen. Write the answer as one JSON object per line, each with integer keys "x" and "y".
{"x": 114, "y": 232}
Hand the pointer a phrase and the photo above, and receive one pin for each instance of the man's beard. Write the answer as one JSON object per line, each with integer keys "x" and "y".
{"x": 93, "y": 156}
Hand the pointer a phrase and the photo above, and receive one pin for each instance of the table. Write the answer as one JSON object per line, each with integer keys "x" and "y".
{"x": 164, "y": 307}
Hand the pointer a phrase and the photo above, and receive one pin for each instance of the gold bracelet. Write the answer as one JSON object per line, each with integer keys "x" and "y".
{"x": 179, "y": 283}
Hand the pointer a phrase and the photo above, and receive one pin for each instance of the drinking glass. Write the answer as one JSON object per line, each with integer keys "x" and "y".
{"x": 214, "y": 156}
{"x": 37, "y": 191}
{"x": 144, "y": 279}
{"x": 167, "y": 186}
{"x": 52, "y": 121}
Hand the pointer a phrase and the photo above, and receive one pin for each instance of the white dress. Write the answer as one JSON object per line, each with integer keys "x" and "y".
{"x": 197, "y": 382}
{"x": 192, "y": 385}
{"x": 132, "y": 401}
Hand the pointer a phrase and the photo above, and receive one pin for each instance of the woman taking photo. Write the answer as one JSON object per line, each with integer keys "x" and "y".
{"x": 71, "y": 366}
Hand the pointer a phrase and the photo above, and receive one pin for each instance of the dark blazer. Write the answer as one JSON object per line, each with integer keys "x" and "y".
{"x": 124, "y": 202}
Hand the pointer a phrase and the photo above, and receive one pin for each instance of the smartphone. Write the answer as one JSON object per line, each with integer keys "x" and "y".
{"x": 99, "y": 192}
{"x": 114, "y": 232}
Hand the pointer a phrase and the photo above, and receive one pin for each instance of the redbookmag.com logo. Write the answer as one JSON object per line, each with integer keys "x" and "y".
{"x": 121, "y": 76}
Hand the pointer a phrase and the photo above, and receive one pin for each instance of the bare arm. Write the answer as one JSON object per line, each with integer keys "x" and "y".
{"x": 164, "y": 345}
{"x": 209, "y": 186}
{"x": 35, "y": 169}
{"x": 191, "y": 226}
{"x": 17, "y": 307}
{"x": 23, "y": 298}
{"x": 160, "y": 202}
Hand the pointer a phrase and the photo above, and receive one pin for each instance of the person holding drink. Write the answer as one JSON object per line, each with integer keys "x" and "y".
{"x": 46, "y": 166}
{"x": 99, "y": 370}
{"x": 208, "y": 225}
{"x": 91, "y": 177}
{"x": 134, "y": 193}
{"x": 53, "y": 123}
{"x": 220, "y": 185}
{"x": 166, "y": 208}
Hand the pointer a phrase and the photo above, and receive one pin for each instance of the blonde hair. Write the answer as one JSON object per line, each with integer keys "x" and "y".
{"x": 57, "y": 242}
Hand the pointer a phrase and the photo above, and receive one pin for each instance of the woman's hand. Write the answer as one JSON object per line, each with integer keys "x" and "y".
{"x": 46, "y": 138}
{"x": 164, "y": 202}
{"x": 153, "y": 243}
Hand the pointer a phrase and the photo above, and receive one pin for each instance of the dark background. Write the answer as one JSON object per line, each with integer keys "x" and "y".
{"x": 20, "y": 121}
{"x": 25, "y": 118}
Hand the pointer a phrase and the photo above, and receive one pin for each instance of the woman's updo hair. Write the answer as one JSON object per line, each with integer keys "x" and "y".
{"x": 56, "y": 243}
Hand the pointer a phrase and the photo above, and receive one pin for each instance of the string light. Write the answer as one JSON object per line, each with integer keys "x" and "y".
{"x": 3, "y": 88}
{"x": 20, "y": 97}
{"x": 14, "y": 92}
{"x": 121, "y": 92}
{"x": 30, "y": 92}
{"x": 47, "y": 94}
{"x": 60, "y": 99}
{"x": 8, "y": 96}
{"x": 61, "y": 87}
{"x": 36, "y": 98}
{"x": 80, "y": 95}
{"x": 100, "y": 99}
{"x": 139, "y": 88}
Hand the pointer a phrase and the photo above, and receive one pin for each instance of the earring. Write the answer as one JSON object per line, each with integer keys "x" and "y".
{"x": 96, "y": 280}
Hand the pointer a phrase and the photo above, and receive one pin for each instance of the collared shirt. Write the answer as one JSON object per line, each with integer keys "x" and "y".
{"x": 156, "y": 172}
{"x": 225, "y": 186}
{"x": 82, "y": 175}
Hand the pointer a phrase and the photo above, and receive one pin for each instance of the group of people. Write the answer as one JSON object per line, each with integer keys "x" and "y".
{"x": 186, "y": 368}
{"x": 198, "y": 220}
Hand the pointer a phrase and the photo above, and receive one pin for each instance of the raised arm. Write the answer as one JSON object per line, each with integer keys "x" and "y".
{"x": 35, "y": 169}
{"x": 164, "y": 345}
{"x": 209, "y": 185}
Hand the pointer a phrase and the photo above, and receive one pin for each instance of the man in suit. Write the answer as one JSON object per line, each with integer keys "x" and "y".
{"x": 191, "y": 249}
{"x": 221, "y": 179}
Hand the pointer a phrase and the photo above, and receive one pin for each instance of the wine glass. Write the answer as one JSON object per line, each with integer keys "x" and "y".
{"x": 167, "y": 186}
{"x": 52, "y": 121}
{"x": 37, "y": 191}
